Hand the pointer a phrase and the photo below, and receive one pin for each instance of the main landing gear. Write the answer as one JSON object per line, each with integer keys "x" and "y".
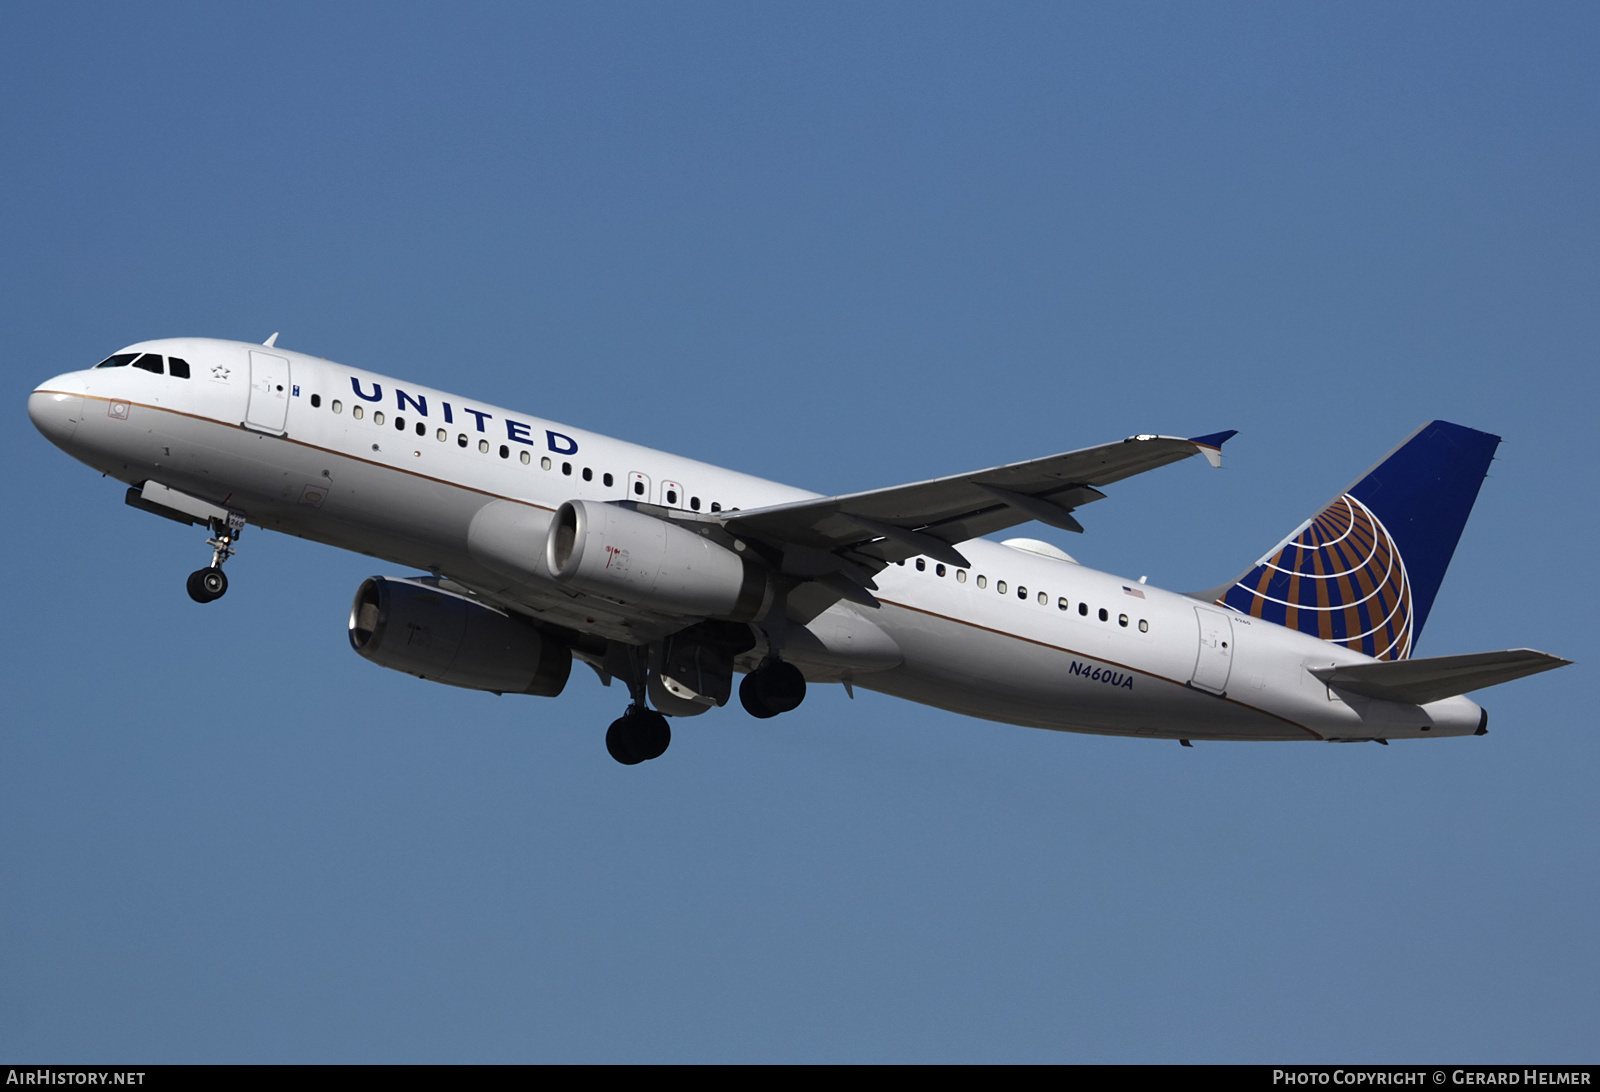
{"x": 774, "y": 687}
{"x": 208, "y": 584}
{"x": 638, "y": 735}
{"x": 642, "y": 733}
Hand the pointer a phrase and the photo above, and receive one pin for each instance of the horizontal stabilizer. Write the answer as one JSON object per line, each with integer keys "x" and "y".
{"x": 1417, "y": 682}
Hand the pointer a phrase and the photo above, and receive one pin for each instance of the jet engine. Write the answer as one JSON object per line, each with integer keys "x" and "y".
{"x": 632, "y": 558}
{"x": 422, "y": 630}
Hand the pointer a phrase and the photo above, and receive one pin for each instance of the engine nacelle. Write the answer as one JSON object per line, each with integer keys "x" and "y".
{"x": 416, "y": 628}
{"x": 633, "y": 558}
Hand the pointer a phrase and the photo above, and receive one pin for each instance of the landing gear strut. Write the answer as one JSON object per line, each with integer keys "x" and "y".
{"x": 638, "y": 735}
{"x": 774, "y": 687}
{"x": 641, "y": 733}
{"x": 208, "y": 584}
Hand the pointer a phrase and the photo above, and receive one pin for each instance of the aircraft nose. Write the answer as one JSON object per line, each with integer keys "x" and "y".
{"x": 55, "y": 414}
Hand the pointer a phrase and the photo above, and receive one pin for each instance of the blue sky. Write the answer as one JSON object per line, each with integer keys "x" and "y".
{"x": 842, "y": 246}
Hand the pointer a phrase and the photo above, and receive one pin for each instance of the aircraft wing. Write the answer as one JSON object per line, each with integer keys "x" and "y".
{"x": 888, "y": 525}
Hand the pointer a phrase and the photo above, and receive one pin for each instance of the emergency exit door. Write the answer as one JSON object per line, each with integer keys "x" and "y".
{"x": 1214, "y": 659}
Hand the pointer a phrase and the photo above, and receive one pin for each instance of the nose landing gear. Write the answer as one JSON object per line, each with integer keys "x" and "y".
{"x": 209, "y": 584}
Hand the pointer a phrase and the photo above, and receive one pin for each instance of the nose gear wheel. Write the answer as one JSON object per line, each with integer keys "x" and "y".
{"x": 209, "y": 584}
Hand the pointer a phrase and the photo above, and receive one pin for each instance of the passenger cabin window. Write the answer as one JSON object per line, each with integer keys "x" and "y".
{"x": 1000, "y": 586}
{"x": 1122, "y": 620}
{"x": 461, "y": 439}
{"x": 921, "y": 565}
{"x": 1105, "y": 616}
{"x": 526, "y": 458}
{"x": 715, "y": 506}
{"x": 961, "y": 576}
{"x": 1144, "y": 627}
{"x": 505, "y": 452}
{"x": 1022, "y": 593}
{"x": 377, "y": 417}
{"x": 638, "y": 489}
{"x": 983, "y": 581}
{"x": 150, "y": 362}
{"x": 316, "y": 399}
{"x": 566, "y": 468}
{"x": 1062, "y": 603}
{"x": 1083, "y": 609}
{"x": 544, "y": 463}
{"x": 357, "y": 412}
{"x": 588, "y": 475}
{"x": 608, "y": 480}
{"x": 338, "y": 406}
{"x": 694, "y": 502}
{"x": 483, "y": 447}
{"x": 179, "y": 369}
{"x": 422, "y": 429}
{"x": 1044, "y": 600}
{"x": 121, "y": 360}
{"x": 672, "y": 496}
{"x": 399, "y": 424}
{"x": 441, "y": 436}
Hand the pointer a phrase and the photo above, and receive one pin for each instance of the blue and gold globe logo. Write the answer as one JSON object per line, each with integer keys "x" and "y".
{"x": 1340, "y": 577}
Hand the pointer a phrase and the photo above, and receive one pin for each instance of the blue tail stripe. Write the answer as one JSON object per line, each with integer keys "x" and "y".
{"x": 1424, "y": 492}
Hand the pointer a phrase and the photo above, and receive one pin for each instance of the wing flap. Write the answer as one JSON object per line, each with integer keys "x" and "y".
{"x": 1419, "y": 681}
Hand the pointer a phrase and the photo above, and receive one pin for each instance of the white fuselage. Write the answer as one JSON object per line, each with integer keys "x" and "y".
{"x": 1019, "y": 637}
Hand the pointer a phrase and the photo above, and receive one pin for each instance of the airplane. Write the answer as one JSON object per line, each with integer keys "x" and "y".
{"x": 539, "y": 544}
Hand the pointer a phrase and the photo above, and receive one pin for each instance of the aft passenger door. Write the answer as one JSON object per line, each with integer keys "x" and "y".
{"x": 1214, "y": 660}
{"x": 269, "y": 393}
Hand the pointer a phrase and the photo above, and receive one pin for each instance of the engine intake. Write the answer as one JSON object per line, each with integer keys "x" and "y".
{"x": 414, "y": 627}
{"x": 632, "y": 558}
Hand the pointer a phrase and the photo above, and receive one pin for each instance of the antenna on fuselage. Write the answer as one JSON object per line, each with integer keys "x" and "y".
{"x": 271, "y": 341}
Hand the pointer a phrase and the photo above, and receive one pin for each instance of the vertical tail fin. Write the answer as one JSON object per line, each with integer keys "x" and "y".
{"x": 1363, "y": 572}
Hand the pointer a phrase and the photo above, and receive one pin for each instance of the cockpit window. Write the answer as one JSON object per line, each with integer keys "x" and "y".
{"x": 121, "y": 360}
{"x": 179, "y": 369}
{"x": 150, "y": 362}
